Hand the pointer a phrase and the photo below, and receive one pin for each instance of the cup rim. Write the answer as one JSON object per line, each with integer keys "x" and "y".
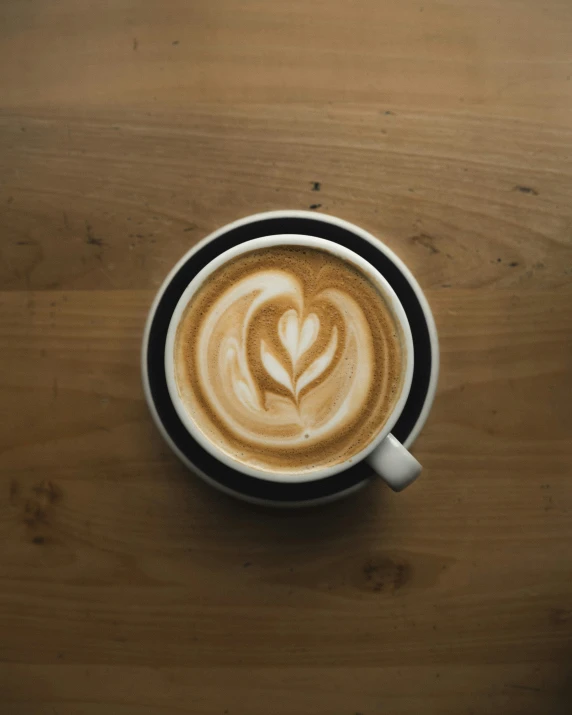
{"x": 267, "y": 242}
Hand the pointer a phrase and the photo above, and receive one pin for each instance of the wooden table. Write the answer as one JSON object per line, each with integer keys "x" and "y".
{"x": 128, "y": 131}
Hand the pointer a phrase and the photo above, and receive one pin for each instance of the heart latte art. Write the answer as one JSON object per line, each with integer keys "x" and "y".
{"x": 288, "y": 359}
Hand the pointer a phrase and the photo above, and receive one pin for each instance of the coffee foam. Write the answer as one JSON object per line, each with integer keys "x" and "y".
{"x": 289, "y": 359}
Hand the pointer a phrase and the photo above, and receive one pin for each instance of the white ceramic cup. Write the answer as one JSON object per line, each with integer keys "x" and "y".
{"x": 385, "y": 454}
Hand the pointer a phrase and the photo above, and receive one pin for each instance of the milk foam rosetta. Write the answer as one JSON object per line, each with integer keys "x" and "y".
{"x": 288, "y": 359}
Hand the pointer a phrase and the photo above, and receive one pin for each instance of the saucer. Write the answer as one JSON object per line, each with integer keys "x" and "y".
{"x": 425, "y": 344}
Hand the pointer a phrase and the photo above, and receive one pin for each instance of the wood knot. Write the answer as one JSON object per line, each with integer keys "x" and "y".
{"x": 37, "y": 505}
{"x": 384, "y": 574}
{"x": 427, "y": 241}
{"x": 48, "y": 491}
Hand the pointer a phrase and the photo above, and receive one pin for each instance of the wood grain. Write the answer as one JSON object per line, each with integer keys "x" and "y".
{"x": 128, "y": 131}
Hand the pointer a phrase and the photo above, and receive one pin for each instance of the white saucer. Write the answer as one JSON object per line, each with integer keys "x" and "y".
{"x": 234, "y": 483}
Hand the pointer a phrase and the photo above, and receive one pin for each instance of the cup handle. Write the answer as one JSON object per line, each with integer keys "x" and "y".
{"x": 394, "y": 464}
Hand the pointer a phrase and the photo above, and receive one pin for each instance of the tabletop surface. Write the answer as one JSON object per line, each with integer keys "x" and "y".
{"x": 129, "y": 131}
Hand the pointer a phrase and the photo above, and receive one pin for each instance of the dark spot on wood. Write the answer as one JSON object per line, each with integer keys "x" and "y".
{"x": 191, "y": 227}
{"x": 24, "y": 243}
{"x": 499, "y": 260}
{"x": 55, "y": 388}
{"x": 139, "y": 235}
{"x": 385, "y": 573}
{"x": 22, "y": 129}
{"x": 50, "y": 491}
{"x": 60, "y": 655}
{"x": 14, "y": 491}
{"x": 39, "y": 540}
{"x": 315, "y": 206}
{"x": 10, "y": 200}
{"x": 175, "y": 42}
{"x": 445, "y": 285}
{"x": 90, "y": 237}
{"x": 135, "y": 44}
{"x": 316, "y": 185}
{"x": 368, "y": 570}
{"x": 389, "y": 112}
{"x": 246, "y": 564}
{"x": 34, "y": 513}
{"x": 400, "y": 577}
{"x": 427, "y": 241}
{"x": 513, "y": 264}
{"x": 526, "y": 190}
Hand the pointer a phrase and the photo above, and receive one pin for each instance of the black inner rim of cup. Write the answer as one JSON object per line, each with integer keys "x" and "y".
{"x": 203, "y": 460}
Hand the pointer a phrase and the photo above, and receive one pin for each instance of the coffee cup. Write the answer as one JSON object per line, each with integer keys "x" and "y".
{"x": 384, "y": 454}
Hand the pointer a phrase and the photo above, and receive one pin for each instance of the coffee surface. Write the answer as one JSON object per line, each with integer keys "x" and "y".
{"x": 289, "y": 359}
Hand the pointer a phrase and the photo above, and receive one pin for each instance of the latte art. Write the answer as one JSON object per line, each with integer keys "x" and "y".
{"x": 299, "y": 397}
{"x": 288, "y": 358}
